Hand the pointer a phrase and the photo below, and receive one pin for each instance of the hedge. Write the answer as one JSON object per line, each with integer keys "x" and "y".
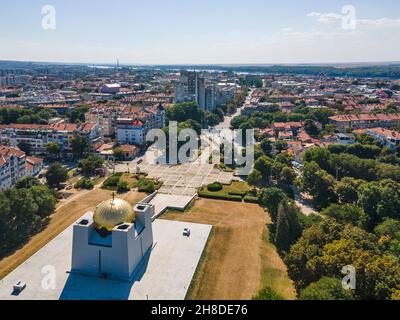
{"x": 215, "y": 187}
{"x": 251, "y": 199}
{"x": 217, "y": 196}
{"x": 237, "y": 193}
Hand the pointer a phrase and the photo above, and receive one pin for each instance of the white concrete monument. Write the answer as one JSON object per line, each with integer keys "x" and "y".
{"x": 114, "y": 243}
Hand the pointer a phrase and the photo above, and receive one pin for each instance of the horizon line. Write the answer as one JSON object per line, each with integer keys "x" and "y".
{"x": 263, "y": 64}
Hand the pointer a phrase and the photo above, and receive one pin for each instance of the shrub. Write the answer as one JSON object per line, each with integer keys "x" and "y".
{"x": 251, "y": 199}
{"x": 146, "y": 185}
{"x": 122, "y": 187}
{"x": 205, "y": 194}
{"x": 84, "y": 184}
{"x": 237, "y": 193}
{"x": 268, "y": 294}
{"x": 326, "y": 289}
{"x": 112, "y": 181}
{"x": 215, "y": 187}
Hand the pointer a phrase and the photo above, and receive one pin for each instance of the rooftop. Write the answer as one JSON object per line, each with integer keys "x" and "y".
{"x": 174, "y": 252}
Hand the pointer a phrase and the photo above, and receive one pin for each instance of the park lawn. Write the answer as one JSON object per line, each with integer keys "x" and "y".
{"x": 132, "y": 179}
{"x": 235, "y": 188}
{"x": 238, "y": 260}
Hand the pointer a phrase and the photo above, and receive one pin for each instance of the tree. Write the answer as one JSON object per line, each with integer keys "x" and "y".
{"x": 254, "y": 178}
{"x": 78, "y": 114}
{"x": 308, "y": 247}
{"x": 118, "y": 154}
{"x": 27, "y": 183}
{"x": 90, "y": 164}
{"x": 56, "y": 174}
{"x": 53, "y": 148}
{"x": 266, "y": 146}
{"x": 24, "y": 208}
{"x": 288, "y": 228}
{"x": 337, "y": 148}
{"x": 380, "y": 199}
{"x": 326, "y": 289}
{"x": 282, "y": 233}
{"x": 311, "y": 128}
{"x": 271, "y": 198}
{"x": 268, "y": 294}
{"x": 319, "y": 155}
{"x": 322, "y": 115}
{"x": 146, "y": 185}
{"x": 378, "y": 275}
{"x": 287, "y": 176}
{"x": 363, "y": 151}
{"x": 44, "y": 199}
{"x": 25, "y": 147}
{"x": 389, "y": 227}
{"x": 84, "y": 184}
{"x": 281, "y": 145}
{"x": 79, "y": 145}
{"x": 347, "y": 190}
{"x": 264, "y": 165}
{"x": 347, "y": 213}
{"x": 318, "y": 183}
{"x": 122, "y": 186}
{"x": 388, "y": 171}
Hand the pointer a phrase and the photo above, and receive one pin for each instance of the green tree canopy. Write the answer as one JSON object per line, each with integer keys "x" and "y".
{"x": 326, "y": 289}
{"x": 56, "y": 174}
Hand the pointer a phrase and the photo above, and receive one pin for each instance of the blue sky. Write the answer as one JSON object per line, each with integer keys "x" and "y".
{"x": 201, "y": 31}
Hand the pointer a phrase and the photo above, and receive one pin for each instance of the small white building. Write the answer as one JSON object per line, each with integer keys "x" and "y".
{"x": 112, "y": 88}
{"x": 345, "y": 139}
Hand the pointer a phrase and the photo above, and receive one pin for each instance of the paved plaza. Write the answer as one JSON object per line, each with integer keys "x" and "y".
{"x": 186, "y": 178}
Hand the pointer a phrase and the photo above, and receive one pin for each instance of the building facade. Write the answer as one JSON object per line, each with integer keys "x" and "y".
{"x": 12, "y": 166}
{"x": 38, "y": 136}
{"x": 133, "y": 129}
{"x": 364, "y": 121}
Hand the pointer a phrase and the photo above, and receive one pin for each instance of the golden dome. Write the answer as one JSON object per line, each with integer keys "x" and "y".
{"x": 112, "y": 213}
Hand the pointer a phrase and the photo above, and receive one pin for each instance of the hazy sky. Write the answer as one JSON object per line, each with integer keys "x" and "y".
{"x": 201, "y": 31}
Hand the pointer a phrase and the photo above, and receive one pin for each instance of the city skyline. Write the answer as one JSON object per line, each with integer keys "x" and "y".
{"x": 177, "y": 32}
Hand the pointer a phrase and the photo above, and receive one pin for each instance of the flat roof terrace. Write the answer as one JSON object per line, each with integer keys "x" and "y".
{"x": 165, "y": 274}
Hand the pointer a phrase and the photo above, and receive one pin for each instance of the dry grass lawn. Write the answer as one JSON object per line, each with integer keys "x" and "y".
{"x": 237, "y": 261}
{"x": 66, "y": 214}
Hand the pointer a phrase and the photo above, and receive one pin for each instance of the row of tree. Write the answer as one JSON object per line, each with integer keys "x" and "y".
{"x": 23, "y": 211}
{"x": 34, "y": 115}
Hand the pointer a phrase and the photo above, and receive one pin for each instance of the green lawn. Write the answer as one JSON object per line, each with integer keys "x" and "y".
{"x": 235, "y": 188}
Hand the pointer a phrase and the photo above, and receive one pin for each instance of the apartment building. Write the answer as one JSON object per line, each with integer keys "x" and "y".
{"x": 387, "y": 137}
{"x": 364, "y": 121}
{"x": 133, "y": 128}
{"x": 38, "y": 136}
{"x": 12, "y": 166}
{"x": 208, "y": 95}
